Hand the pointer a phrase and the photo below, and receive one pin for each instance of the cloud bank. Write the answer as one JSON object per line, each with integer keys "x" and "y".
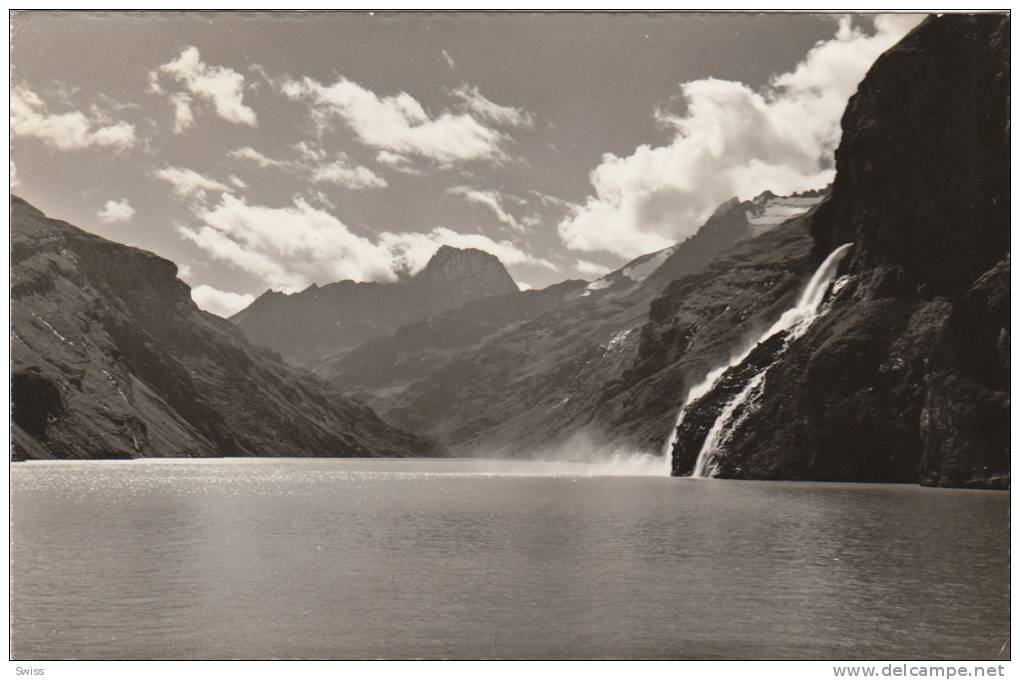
{"x": 70, "y": 131}
{"x": 730, "y": 141}
{"x": 400, "y": 125}
{"x": 289, "y": 248}
{"x": 220, "y": 302}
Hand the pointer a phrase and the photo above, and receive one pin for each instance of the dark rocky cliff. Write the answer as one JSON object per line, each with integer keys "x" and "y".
{"x": 321, "y": 321}
{"x": 551, "y": 367}
{"x": 111, "y": 358}
{"x": 906, "y": 378}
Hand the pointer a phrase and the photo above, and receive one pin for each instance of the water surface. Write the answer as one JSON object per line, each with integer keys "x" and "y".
{"x": 473, "y": 559}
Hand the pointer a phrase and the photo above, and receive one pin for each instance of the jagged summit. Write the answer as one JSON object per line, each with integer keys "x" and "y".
{"x": 732, "y": 221}
{"x": 319, "y": 321}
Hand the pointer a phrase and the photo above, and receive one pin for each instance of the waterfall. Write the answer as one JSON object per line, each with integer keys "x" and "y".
{"x": 796, "y": 321}
{"x": 728, "y": 419}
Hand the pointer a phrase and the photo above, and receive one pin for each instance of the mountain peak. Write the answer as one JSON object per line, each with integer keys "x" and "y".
{"x": 319, "y": 321}
{"x": 467, "y": 272}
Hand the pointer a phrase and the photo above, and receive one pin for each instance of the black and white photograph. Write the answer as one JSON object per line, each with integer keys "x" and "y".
{"x": 479, "y": 335}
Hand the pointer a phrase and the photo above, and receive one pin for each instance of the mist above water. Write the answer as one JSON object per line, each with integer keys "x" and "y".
{"x": 582, "y": 454}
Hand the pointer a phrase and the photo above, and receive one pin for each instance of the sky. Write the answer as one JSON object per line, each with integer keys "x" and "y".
{"x": 276, "y": 150}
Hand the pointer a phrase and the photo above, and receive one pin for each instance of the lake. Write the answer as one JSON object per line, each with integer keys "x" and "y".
{"x": 367, "y": 558}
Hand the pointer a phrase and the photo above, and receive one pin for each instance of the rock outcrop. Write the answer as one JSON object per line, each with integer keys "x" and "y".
{"x": 906, "y": 378}
{"x": 111, "y": 358}
{"x": 322, "y": 321}
{"x": 567, "y": 360}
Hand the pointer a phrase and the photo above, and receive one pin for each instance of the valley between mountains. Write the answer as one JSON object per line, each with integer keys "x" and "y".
{"x": 902, "y": 377}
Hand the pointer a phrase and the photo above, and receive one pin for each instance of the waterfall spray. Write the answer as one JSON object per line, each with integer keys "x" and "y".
{"x": 795, "y": 320}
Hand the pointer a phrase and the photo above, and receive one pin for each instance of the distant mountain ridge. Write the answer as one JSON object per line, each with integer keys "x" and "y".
{"x": 515, "y": 373}
{"x": 309, "y": 326}
{"x": 111, "y": 358}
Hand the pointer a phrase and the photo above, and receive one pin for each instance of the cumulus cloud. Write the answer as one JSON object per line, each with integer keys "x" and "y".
{"x": 15, "y": 182}
{"x": 399, "y": 123}
{"x": 218, "y": 86}
{"x": 220, "y": 302}
{"x": 116, "y": 211}
{"x": 494, "y": 201}
{"x": 187, "y": 182}
{"x": 290, "y": 247}
{"x": 69, "y": 131}
{"x": 730, "y": 140}
{"x": 488, "y": 110}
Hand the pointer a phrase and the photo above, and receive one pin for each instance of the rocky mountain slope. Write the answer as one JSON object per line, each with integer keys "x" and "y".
{"x": 395, "y": 360}
{"x": 906, "y": 378}
{"x": 111, "y": 358}
{"x": 321, "y": 321}
{"x": 543, "y": 372}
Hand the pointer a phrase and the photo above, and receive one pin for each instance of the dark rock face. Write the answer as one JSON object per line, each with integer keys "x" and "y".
{"x": 696, "y": 324}
{"x": 310, "y": 326}
{"x": 111, "y": 358}
{"x": 580, "y": 362}
{"x": 906, "y": 378}
{"x": 701, "y": 414}
{"x": 964, "y": 425}
{"x": 922, "y": 179}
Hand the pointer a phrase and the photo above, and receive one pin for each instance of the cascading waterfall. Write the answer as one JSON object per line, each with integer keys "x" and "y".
{"x": 724, "y": 425}
{"x": 795, "y": 321}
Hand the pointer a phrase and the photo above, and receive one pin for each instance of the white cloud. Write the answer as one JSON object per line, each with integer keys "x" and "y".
{"x": 589, "y": 268}
{"x": 15, "y": 182}
{"x": 549, "y": 199}
{"x": 397, "y": 162}
{"x": 449, "y": 61}
{"x": 116, "y": 211}
{"x": 494, "y": 200}
{"x": 729, "y": 141}
{"x": 340, "y": 171}
{"x": 310, "y": 152}
{"x": 220, "y": 302}
{"x": 71, "y": 131}
{"x": 221, "y": 247}
{"x": 291, "y": 247}
{"x": 238, "y": 182}
{"x": 249, "y": 154}
{"x": 343, "y": 173}
{"x": 399, "y": 123}
{"x": 488, "y": 110}
{"x": 183, "y": 115}
{"x": 187, "y": 182}
{"x": 219, "y": 86}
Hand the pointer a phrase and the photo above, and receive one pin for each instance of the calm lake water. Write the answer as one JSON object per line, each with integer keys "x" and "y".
{"x": 425, "y": 558}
